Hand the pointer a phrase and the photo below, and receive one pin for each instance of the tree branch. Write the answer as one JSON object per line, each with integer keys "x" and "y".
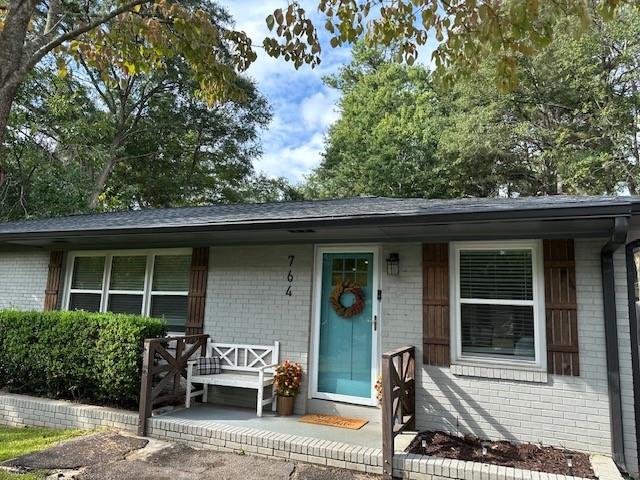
{"x": 42, "y": 50}
{"x": 106, "y": 95}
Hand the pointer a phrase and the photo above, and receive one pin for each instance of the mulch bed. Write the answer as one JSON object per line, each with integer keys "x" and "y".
{"x": 518, "y": 455}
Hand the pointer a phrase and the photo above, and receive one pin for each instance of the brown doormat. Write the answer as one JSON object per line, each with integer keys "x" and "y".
{"x": 334, "y": 421}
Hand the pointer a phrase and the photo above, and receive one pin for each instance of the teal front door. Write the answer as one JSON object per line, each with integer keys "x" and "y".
{"x": 346, "y": 330}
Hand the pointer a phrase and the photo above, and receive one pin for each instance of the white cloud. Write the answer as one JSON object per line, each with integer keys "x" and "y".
{"x": 292, "y": 162}
{"x": 318, "y": 110}
{"x": 303, "y": 107}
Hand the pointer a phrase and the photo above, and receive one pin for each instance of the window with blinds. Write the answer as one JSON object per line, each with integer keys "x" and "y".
{"x": 126, "y": 285}
{"x": 170, "y": 290}
{"x": 148, "y": 283}
{"x": 496, "y": 311}
{"x": 86, "y": 284}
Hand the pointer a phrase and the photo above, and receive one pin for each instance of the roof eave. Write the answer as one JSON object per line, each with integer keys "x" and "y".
{"x": 506, "y": 215}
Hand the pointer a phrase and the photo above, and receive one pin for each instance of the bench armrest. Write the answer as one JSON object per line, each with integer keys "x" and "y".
{"x": 191, "y": 367}
{"x": 264, "y": 367}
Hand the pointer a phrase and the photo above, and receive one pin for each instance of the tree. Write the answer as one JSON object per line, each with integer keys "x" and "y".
{"x": 386, "y": 141}
{"x": 147, "y": 33}
{"x": 183, "y": 152}
{"x": 260, "y": 188}
{"x": 52, "y": 148}
{"x": 174, "y": 149}
{"x": 570, "y": 126}
{"x": 135, "y": 100}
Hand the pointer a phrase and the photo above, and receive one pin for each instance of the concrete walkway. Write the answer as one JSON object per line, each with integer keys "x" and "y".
{"x": 115, "y": 456}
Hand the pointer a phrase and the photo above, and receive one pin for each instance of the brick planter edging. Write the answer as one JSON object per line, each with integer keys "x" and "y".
{"x": 422, "y": 467}
{"x": 23, "y": 410}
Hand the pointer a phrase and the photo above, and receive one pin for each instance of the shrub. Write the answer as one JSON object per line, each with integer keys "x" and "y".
{"x": 92, "y": 357}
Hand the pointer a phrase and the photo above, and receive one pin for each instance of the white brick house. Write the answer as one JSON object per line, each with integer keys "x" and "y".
{"x": 504, "y": 300}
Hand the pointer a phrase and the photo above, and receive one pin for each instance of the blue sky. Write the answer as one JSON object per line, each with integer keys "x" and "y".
{"x": 303, "y": 107}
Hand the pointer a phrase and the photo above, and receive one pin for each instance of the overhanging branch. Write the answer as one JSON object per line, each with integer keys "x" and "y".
{"x": 56, "y": 42}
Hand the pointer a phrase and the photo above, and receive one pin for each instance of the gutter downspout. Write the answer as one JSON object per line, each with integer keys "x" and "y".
{"x": 617, "y": 239}
{"x": 634, "y": 333}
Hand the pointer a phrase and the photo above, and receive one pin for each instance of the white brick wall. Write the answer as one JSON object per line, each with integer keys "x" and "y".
{"x": 569, "y": 411}
{"x": 246, "y": 301}
{"x": 23, "y": 277}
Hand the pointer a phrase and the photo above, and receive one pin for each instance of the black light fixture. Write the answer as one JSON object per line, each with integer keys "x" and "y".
{"x": 485, "y": 447}
{"x": 393, "y": 264}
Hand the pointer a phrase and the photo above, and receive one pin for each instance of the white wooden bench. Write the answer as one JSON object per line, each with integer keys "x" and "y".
{"x": 244, "y": 366}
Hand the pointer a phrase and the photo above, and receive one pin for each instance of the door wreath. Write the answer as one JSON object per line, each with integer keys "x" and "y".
{"x": 346, "y": 286}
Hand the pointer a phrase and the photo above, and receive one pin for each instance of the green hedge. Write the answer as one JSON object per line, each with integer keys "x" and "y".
{"x": 91, "y": 357}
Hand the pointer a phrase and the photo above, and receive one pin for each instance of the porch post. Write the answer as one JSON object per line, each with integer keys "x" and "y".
{"x": 387, "y": 420}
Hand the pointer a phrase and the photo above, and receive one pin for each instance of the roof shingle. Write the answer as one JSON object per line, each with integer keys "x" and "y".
{"x": 256, "y": 213}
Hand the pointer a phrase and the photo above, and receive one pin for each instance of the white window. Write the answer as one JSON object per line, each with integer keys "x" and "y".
{"x": 169, "y": 289}
{"x": 153, "y": 283}
{"x": 497, "y": 314}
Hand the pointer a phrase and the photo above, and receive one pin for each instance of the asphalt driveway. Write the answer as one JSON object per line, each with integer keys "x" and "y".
{"x": 113, "y": 456}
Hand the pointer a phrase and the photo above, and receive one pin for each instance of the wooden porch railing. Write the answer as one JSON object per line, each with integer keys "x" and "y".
{"x": 398, "y": 400}
{"x": 163, "y": 365}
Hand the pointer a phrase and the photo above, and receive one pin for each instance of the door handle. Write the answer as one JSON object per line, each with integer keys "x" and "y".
{"x": 375, "y": 323}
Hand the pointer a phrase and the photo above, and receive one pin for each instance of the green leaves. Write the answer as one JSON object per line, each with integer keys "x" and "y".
{"x": 566, "y": 126}
{"x": 151, "y": 35}
{"x": 296, "y": 39}
{"x": 467, "y": 31}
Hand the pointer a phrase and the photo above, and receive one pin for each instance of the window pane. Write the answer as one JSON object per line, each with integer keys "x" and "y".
{"x": 125, "y": 304}
{"x": 501, "y": 274}
{"x": 85, "y": 301}
{"x": 497, "y": 330}
{"x": 172, "y": 308}
{"x": 171, "y": 273}
{"x": 87, "y": 273}
{"x": 350, "y": 264}
{"x": 127, "y": 273}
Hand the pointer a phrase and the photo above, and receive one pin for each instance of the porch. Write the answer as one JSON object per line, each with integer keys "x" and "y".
{"x": 369, "y": 449}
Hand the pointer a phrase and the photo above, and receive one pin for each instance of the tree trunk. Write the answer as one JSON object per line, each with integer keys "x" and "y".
{"x": 7, "y": 94}
{"x": 13, "y": 55}
{"x": 101, "y": 181}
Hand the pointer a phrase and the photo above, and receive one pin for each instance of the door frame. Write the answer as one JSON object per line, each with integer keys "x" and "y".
{"x": 316, "y": 303}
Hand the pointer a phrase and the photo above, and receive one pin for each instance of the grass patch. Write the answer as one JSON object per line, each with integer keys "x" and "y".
{"x": 21, "y": 476}
{"x": 15, "y": 442}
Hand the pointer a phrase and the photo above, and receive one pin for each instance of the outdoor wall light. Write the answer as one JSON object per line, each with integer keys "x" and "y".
{"x": 569, "y": 457}
{"x": 393, "y": 264}
{"x": 485, "y": 447}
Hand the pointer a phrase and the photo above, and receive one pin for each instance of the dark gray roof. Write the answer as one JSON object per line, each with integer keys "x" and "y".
{"x": 341, "y": 211}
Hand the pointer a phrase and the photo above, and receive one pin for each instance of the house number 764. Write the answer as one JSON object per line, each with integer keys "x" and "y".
{"x": 289, "y": 291}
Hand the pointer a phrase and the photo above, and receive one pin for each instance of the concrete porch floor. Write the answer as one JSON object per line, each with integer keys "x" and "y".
{"x": 369, "y": 436}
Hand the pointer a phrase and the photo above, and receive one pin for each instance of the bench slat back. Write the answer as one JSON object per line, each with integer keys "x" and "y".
{"x": 244, "y": 358}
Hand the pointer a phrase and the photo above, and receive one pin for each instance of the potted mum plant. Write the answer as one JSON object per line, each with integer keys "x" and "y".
{"x": 287, "y": 380}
